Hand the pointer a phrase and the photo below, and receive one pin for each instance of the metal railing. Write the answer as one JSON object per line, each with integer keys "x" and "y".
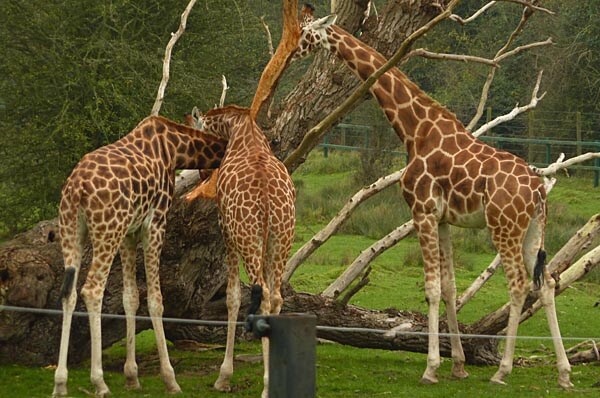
{"x": 350, "y": 137}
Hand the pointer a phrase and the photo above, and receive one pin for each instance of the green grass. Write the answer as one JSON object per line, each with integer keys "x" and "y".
{"x": 396, "y": 280}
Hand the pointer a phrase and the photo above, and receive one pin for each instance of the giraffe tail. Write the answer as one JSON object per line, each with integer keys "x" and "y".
{"x": 67, "y": 285}
{"x": 538, "y": 270}
{"x": 255, "y": 299}
{"x": 540, "y": 264}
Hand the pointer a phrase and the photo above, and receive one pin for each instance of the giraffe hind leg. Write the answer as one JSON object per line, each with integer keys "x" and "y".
{"x": 448, "y": 286}
{"x": 68, "y": 296}
{"x": 131, "y": 304}
{"x": 233, "y": 306}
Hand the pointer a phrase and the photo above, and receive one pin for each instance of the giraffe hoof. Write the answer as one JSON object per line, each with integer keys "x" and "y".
{"x": 497, "y": 380}
{"x": 222, "y": 385}
{"x": 565, "y": 383}
{"x": 463, "y": 374}
{"x": 132, "y": 384}
{"x": 60, "y": 390}
{"x": 429, "y": 380}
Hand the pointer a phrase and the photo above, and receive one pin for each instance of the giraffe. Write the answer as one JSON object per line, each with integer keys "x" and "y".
{"x": 452, "y": 178}
{"x": 117, "y": 195}
{"x": 255, "y": 198}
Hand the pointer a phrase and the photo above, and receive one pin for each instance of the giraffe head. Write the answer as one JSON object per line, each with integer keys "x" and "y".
{"x": 313, "y": 34}
{"x": 216, "y": 121}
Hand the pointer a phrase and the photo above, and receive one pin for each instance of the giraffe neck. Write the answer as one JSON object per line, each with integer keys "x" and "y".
{"x": 180, "y": 146}
{"x": 405, "y": 105}
{"x": 239, "y": 128}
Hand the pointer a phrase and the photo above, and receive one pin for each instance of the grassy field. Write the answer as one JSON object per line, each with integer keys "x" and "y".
{"x": 396, "y": 281}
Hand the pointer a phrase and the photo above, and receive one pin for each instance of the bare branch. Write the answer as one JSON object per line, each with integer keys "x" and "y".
{"x": 478, "y": 283}
{"x": 269, "y": 38}
{"x": 516, "y": 110}
{"x": 364, "y": 281}
{"x": 562, "y": 164}
{"x": 531, "y": 6}
{"x": 224, "y": 92}
{"x": 309, "y": 247}
{"x": 519, "y": 49}
{"x": 488, "y": 82}
{"x": 462, "y": 21}
{"x": 280, "y": 59}
{"x": 421, "y": 52}
{"x": 160, "y": 96}
{"x": 366, "y": 257}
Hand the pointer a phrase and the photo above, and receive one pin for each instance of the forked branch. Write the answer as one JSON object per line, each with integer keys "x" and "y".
{"x": 160, "y": 95}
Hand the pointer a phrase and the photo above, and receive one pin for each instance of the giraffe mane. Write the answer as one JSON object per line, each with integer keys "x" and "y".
{"x": 228, "y": 109}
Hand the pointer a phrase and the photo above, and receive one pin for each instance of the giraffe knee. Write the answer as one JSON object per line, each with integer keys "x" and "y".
{"x": 155, "y": 306}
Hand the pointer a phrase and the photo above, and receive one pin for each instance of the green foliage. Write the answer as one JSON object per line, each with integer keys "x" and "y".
{"x": 80, "y": 74}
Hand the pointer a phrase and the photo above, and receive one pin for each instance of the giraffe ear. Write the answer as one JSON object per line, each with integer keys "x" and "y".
{"x": 324, "y": 22}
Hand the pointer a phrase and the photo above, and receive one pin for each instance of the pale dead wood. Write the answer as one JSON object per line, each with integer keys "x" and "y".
{"x": 332, "y": 227}
{"x": 563, "y": 164}
{"x": 269, "y": 38}
{"x": 366, "y": 257}
{"x": 477, "y": 13}
{"x": 492, "y": 73}
{"x": 515, "y": 111}
{"x": 224, "y": 92}
{"x": 522, "y": 48}
{"x": 364, "y": 281}
{"x": 421, "y": 52}
{"x": 160, "y": 95}
{"x": 531, "y": 6}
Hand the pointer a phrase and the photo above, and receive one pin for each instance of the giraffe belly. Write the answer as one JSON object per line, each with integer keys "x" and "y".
{"x": 475, "y": 219}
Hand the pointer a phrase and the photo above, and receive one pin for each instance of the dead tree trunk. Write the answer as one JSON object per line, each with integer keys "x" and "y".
{"x": 31, "y": 273}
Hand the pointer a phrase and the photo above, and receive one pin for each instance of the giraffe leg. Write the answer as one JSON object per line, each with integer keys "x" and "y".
{"x": 131, "y": 303}
{"x": 68, "y": 304}
{"x": 265, "y": 309}
{"x": 448, "y": 288}
{"x": 92, "y": 293}
{"x": 152, "y": 239}
{"x": 428, "y": 237}
{"x": 233, "y": 307}
{"x": 532, "y": 244}
{"x": 514, "y": 268}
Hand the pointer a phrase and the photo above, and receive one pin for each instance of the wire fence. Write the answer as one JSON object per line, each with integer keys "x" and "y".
{"x": 393, "y": 332}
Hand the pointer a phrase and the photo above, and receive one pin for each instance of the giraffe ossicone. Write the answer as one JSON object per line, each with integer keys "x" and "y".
{"x": 452, "y": 178}
{"x": 118, "y": 195}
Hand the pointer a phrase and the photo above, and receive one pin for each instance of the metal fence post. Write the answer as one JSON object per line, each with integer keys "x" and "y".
{"x": 292, "y": 352}
{"x": 292, "y": 356}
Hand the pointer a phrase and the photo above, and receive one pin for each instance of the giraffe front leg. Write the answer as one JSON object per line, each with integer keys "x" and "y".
{"x": 233, "y": 307}
{"x": 428, "y": 238}
{"x": 131, "y": 303}
{"x": 449, "y": 296}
